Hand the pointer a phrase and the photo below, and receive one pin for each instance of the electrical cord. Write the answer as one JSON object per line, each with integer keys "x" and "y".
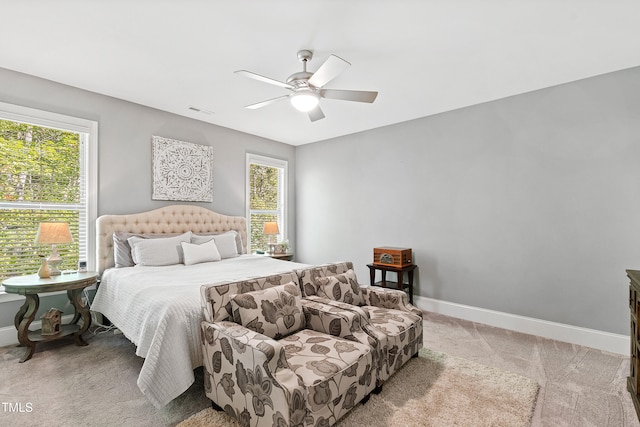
{"x": 99, "y": 327}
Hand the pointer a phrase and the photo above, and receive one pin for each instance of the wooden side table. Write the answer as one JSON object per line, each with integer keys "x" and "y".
{"x": 32, "y": 285}
{"x": 400, "y": 284}
{"x": 287, "y": 256}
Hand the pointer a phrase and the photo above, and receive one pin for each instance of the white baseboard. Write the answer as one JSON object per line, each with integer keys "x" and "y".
{"x": 600, "y": 340}
{"x": 9, "y": 334}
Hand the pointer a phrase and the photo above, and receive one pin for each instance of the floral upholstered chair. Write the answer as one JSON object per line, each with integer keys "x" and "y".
{"x": 386, "y": 314}
{"x": 272, "y": 359}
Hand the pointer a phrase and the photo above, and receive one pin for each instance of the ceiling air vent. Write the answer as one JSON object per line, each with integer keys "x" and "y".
{"x": 200, "y": 110}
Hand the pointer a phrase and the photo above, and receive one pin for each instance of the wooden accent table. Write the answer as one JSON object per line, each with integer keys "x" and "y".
{"x": 400, "y": 283}
{"x": 633, "y": 380}
{"x": 287, "y": 256}
{"x": 32, "y": 285}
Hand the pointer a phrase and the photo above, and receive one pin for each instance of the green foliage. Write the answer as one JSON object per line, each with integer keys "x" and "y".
{"x": 37, "y": 165}
{"x": 263, "y": 202}
{"x": 18, "y": 252}
{"x": 259, "y": 241}
{"x": 263, "y": 187}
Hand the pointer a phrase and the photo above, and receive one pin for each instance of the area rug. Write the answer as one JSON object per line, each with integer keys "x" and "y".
{"x": 436, "y": 390}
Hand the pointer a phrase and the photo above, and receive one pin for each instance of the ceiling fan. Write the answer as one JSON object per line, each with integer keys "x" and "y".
{"x": 307, "y": 88}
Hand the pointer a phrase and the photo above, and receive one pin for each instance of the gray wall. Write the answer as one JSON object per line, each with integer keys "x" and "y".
{"x": 526, "y": 205}
{"x": 124, "y": 156}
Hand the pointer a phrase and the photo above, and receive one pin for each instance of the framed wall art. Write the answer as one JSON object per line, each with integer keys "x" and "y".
{"x": 182, "y": 171}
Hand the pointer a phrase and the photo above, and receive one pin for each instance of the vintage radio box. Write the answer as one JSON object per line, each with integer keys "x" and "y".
{"x": 395, "y": 257}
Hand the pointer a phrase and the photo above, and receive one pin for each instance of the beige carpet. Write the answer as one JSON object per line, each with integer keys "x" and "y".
{"x": 432, "y": 390}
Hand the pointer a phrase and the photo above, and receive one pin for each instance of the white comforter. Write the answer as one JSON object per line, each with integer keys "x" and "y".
{"x": 159, "y": 310}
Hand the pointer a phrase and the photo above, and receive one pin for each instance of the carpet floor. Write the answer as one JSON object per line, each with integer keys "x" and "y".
{"x": 66, "y": 385}
{"x": 434, "y": 390}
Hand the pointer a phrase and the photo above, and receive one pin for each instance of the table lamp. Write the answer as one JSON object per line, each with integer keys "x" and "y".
{"x": 271, "y": 230}
{"x": 52, "y": 233}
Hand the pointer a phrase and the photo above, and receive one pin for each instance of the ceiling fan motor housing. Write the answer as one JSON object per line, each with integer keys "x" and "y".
{"x": 300, "y": 79}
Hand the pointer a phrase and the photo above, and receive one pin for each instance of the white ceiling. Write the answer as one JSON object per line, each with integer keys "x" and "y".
{"x": 424, "y": 57}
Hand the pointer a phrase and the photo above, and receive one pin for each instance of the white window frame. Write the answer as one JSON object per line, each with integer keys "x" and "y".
{"x": 284, "y": 198}
{"x": 89, "y": 159}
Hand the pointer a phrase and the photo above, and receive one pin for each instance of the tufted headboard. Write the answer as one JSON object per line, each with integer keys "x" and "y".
{"x": 169, "y": 219}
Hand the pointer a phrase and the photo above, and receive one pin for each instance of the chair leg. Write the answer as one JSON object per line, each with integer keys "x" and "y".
{"x": 378, "y": 389}
{"x": 365, "y": 399}
{"x": 215, "y": 407}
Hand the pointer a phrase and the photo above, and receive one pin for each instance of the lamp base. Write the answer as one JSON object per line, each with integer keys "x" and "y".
{"x": 54, "y": 263}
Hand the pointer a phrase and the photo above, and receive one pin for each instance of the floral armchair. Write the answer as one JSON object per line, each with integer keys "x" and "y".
{"x": 272, "y": 359}
{"x": 386, "y": 314}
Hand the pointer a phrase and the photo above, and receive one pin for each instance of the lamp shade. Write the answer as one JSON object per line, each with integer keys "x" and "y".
{"x": 271, "y": 228}
{"x": 53, "y": 233}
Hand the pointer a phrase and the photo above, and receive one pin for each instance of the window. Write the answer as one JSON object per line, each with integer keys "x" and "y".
{"x": 266, "y": 199}
{"x": 48, "y": 172}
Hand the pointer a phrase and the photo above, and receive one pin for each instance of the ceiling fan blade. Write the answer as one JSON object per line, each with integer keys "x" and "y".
{"x": 328, "y": 71}
{"x": 263, "y": 79}
{"x": 316, "y": 114}
{"x": 349, "y": 95}
{"x": 265, "y": 103}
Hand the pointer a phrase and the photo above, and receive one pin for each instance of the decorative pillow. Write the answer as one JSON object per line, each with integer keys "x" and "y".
{"x": 205, "y": 252}
{"x": 275, "y": 312}
{"x": 157, "y": 252}
{"x": 341, "y": 287}
{"x": 226, "y": 243}
{"x": 205, "y": 237}
{"x": 122, "y": 249}
{"x": 198, "y": 239}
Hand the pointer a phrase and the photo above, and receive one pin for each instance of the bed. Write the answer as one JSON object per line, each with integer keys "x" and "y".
{"x": 158, "y": 308}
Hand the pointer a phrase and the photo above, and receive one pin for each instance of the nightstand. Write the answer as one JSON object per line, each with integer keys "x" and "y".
{"x": 287, "y": 256}
{"x": 32, "y": 285}
{"x": 399, "y": 284}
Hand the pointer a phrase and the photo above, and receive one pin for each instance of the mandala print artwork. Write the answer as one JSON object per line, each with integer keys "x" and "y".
{"x": 182, "y": 171}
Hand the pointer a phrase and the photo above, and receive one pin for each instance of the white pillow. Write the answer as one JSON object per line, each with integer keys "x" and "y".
{"x": 226, "y": 243}
{"x": 122, "y": 250}
{"x": 205, "y": 252}
{"x": 156, "y": 252}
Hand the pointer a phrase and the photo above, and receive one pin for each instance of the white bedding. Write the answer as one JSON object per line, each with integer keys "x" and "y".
{"x": 159, "y": 310}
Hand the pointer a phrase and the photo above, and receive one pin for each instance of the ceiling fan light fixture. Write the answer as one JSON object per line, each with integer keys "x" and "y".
{"x": 304, "y": 100}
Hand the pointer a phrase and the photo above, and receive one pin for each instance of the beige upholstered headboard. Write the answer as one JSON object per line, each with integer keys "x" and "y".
{"x": 169, "y": 219}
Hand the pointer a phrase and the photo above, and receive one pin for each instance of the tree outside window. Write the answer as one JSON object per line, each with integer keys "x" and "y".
{"x": 42, "y": 179}
{"x": 266, "y": 198}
